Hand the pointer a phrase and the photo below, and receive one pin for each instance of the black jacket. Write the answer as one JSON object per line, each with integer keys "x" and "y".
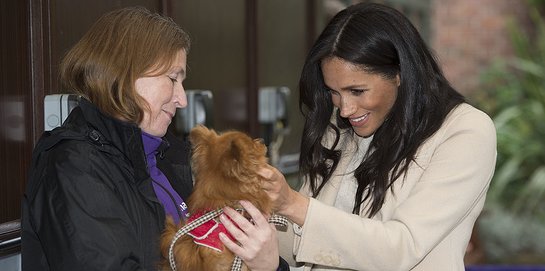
{"x": 89, "y": 201}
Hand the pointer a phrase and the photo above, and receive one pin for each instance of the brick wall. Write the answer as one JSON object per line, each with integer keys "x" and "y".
{"x": 467, "y": 35}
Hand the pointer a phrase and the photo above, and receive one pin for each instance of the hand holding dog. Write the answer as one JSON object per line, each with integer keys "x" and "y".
{"x": 286, "y": 201}
{"x": 258, "y": 244}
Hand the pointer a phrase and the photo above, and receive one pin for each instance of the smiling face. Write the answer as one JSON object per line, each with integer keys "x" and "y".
{"x": 364, "y": 98}
{"x": 163, "y": 93}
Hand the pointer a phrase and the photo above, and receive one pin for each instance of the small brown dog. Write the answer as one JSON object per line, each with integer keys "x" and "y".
{"x": 225, "y": 171}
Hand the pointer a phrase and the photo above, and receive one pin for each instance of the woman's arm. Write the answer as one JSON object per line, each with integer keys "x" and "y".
{"x": 287, "y": 202}
{"x": 444, "y": 193}
{"x": 81, "y": 223}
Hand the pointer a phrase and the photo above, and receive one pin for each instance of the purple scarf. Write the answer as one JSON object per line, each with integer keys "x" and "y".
{"x": 172, "y": 202}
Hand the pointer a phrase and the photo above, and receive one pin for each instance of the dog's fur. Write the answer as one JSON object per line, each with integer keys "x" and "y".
{"x": 225, "y": 171}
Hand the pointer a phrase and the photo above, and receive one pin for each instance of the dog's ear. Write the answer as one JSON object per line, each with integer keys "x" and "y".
{"x": 236, "y": 158}
{"x": 201, "y": 139}
{"x": 243, "y": 156}
{"x": 200, "y": 134}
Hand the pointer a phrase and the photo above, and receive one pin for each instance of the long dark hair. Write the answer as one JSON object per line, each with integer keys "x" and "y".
{"x": 380, "y": 40}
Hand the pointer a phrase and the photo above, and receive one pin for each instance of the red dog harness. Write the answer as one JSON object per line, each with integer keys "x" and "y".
{"x": 207, "y": 234}
{"x": 202, "y": 218}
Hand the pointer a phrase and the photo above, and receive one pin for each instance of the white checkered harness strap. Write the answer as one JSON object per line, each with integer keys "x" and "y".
{"x": 237, "y": 263}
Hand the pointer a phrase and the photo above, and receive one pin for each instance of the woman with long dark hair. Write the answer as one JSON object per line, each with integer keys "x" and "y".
{"x": 395, "y": 164}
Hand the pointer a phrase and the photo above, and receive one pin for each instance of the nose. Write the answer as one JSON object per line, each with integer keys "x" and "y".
{"x": 347, "y": 107}
{"x": 179, "y": 97}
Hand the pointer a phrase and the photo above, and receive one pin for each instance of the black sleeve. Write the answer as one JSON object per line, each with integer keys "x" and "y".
{"x": 283, "y": 265}
{"x": 80, "y": 220}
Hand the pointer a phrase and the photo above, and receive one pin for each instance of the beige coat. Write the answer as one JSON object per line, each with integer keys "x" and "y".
{"x": 424, "y": 225}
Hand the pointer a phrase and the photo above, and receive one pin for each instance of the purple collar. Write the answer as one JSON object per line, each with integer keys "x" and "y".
{"x": 173, "y": 204}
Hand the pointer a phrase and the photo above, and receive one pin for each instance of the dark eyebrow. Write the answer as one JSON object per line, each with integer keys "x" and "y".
{"x": 348, "y": 88}
{"x": 351, "y": 87}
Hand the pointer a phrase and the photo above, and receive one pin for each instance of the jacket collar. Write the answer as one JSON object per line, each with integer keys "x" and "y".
{"x": 124, "y": 136}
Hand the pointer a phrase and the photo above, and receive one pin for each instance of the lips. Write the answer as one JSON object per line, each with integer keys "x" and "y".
{"x": 171, "y": 115}
{"x": 359, "y": 121}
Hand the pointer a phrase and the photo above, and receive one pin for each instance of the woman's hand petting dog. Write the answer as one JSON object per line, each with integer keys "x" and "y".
{"x": 282, "y": 196}
{"x": 258, "y": 247}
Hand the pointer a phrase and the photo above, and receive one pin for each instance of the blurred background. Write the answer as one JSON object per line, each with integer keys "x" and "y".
{"x": 244, "y": 67}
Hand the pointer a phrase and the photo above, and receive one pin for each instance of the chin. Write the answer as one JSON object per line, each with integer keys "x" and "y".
{"x": 155, "y": 132}
{"x": 162, "y": 133}
{"x": 364, "y": 133}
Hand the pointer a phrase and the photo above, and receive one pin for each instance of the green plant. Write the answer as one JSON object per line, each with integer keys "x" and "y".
{"x": 515, "y": 98}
